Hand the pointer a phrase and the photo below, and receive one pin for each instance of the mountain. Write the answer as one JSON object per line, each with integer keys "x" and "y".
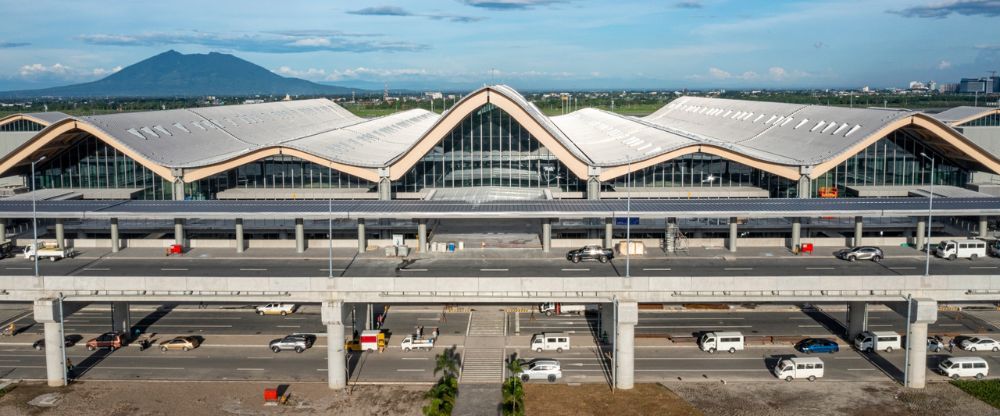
{"x": 172, "y": 74}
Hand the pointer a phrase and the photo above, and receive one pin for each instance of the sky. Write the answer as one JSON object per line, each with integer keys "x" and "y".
{"x": 529, "y": 44}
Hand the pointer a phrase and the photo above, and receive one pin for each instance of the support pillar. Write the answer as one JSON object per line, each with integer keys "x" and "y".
{"x": 240, "y": 245}
{"x": 804, "y": 189}
{"x": 517, "y": 323}
{"x": 3, "y": 230}
{"x": 120, "y": 319}
{"x": 60, "y": 233}
{"x": 593, "y": 187}
{"x": 916, "y": 354}
{"x": 858, "y": 231}
{"x": 796, "y": 233}
{"x": 609, "y": 230}
{"x": 179, "y": 231}
{"x": 733, "y": 234}
{"x": 422, "y": 236}
{"x": 115, "y": 242}
{"x": 628, "y": 316}
{"x": 300, "y": 236}
{"x": 49, "y": 313}
{"x": 984, "y": 226}
{"x": 921, "y": 233}
{"x": 332, "y": 314}
{"x": 178, "y": 190}
{"x": 857, "y": 319}
{"x": 362, "y": 243}
{"x": 384, "y": 189}
{"x": 546, "y": 235}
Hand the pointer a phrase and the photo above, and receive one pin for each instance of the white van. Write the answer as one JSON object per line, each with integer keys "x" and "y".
{"x": 961, "y": 249}
{"x": 809, "y": 368}
{"x": 878, "y": 341}
{"x": 721, "y": 341}
{"x": 956, "y": 367}
{"x": 550, "y": 341}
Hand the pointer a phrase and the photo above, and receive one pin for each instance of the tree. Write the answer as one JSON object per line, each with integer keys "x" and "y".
{"x": 442, "y": 395}
{"x": 513, "y": 389}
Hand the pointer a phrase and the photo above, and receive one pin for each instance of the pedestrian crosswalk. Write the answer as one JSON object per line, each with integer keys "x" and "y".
{"x": 482, "y": 365}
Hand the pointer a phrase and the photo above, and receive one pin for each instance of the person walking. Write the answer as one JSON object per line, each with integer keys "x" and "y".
{"x": 951, "y": 344}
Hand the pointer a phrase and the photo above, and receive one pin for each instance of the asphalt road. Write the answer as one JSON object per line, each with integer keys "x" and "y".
{"x": 465, "y": 267}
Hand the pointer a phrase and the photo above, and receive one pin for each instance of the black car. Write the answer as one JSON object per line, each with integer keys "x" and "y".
{"x": 592, "y": 252}
{"x": 861, "y": 253}
{"x": 69, "y": 341}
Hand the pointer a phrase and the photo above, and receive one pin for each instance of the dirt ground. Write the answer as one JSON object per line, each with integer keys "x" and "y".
{"x": 235, "y": 398}
{"x": 596, "y": 399}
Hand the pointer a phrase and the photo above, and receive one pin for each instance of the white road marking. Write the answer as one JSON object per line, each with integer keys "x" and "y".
{"x": 174, "y": 270}
{"x": 415, "y": 358}
{"x": 682, "y": 318}
{"x": 18, "y": 268}
{"x": 253, "y": 270}
{"x": 413, "y": 270}
{"x": 820, "y": 268}
{"x": 249, "y": 369}
{"x": 738, "y": 268}
{"x": 95, "y": 269}
{"x": 428, "y": 319}
{"x": 656, "y": 269}
{"x": 982, "y": 267}
{"x": 697, "y": 326}
{"x": 879, "y": 324}
{"x": 410, "y": 369}
{"x": 706, "y": 371}
{"x": 902, "y": 268}
{"x": 810, "y": 326}
{"x": 862, "y": 369}
{"x": 170, "y": 326}
{"x": 260, "y": 358}
{"x": 133, "y": 368}
{"x": 326, "y": 270}
{"x": 289, "y": 326}
{"x": 576, "y": 270}
{"x": 494, "y": 270}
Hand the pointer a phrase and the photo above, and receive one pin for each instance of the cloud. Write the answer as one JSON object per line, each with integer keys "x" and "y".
{"x": 100, "y": 72}
{"x": 267, "y": 42}
{"x": 990, "y": 8}
{"x": 819, "y": 45}
{"x": 394, "y": 11}
{"x": 944, "y": 64}
{"x": 688, "y": 5}
{"x": 509, "y": 4}
{"x": 59, "y": 72}
{"x": 311, "y": 73}
{"x": 35, "y": 70}
{"x": 777, "y": 73}
{"x": 7, "y": 45}
{"x": 717, "y": 73}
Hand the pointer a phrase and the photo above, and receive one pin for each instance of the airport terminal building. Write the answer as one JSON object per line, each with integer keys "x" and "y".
{"x": 494, "y": 145}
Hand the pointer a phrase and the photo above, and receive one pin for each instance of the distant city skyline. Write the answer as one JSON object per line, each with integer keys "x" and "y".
{"x": 529, "y": 44}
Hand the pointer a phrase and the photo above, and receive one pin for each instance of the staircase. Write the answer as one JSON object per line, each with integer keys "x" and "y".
{"x": 482, "y": 363}
{"x": 488, "y": 323}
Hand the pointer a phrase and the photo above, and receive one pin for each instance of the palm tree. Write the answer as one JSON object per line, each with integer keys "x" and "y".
{"x": 442, "y": 395}
{"x": 513, "y": 389}
{"x": 447, "y": 362}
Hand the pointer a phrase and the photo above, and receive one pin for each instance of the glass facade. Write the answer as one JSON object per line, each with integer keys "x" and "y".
{"x": 489, "y": 148}
{"x": 275, "y": 172}
{"x": 21, "y": 125}
{"x": 992, "y": 120}
{"x": 894, "y": 160}
{"x": 705, "y": 170}
{"x": 90, "y": 163}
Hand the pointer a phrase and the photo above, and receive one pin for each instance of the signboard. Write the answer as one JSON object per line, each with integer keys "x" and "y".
{"x": 828, "y": 192}
{"x": 631, "y": 220}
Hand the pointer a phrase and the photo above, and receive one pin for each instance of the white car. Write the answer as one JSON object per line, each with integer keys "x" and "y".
{"x": 276, "y": 309}
{"x": 980, "y": 344}
{"x": 541, "y": 369}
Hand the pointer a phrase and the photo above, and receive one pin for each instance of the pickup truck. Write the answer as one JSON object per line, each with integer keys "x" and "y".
{"x": 552, "y": 308}
{"x": 297, "y": 342}
{"x": 410, "y": 343}
{"x": 276, "y": 309}
{"x": 50, "y": 250}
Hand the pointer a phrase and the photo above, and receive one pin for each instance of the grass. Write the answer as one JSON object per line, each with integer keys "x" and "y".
{"x": 986, "y": 390}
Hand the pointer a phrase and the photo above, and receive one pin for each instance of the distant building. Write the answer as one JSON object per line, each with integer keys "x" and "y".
{"x": 948, "y": 88}
{"x": 980, "y": 85}
{"x": 917, "y": 86}
{"x": 433, "y": 95}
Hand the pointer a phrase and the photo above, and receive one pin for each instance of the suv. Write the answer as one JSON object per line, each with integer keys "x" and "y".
{"x": 297, "y": 342}
{"x": 861, "y": 253}
{"x": 109, "y": 340}
{"x": 592, "y": 252}
{"x": 541, "y": 368}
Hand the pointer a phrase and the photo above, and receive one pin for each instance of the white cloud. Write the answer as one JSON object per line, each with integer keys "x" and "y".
{"x": 34, "y": 70}
{"x": 944, "y": 64}
{"x": 100, "y": 72}
{"x": 717, "y": 73}
{"x": 777, "y": 73}
{"x": 311, "y": 73}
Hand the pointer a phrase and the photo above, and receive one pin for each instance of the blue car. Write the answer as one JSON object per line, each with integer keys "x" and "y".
{"x": 811, "y": 345}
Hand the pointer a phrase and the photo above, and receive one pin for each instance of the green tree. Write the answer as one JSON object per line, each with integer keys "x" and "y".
{"x": 442, "y": 395}
{"x": 513, "y": 389}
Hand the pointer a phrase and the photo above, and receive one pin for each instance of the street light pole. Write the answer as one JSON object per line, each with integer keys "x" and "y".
{"x": 34, "y": 213}
{"x": 329, "y": 234}
{"x": 930, "y": 210}
{"x": 628, "y": 218}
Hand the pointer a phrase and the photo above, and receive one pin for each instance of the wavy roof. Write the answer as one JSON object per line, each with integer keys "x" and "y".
{"x": 963, "y": 114}
{"x": 785, "y": 139}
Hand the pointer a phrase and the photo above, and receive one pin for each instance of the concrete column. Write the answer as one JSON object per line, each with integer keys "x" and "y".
{"x": 240, "y": 244}
{"x": 628, "y": 316}
{"x": 916, "y": 352}
{"x": 3, "y": 230}
{"x": 733, "y": 234}
{"x": 422, "y": 236}
{"x": 921, "y": 233}
{"x": 332, "y": 314}
{"x": 120, "y": 319}
{"x": 804, "y": 189}
{"x": 300, "y": 236}
{"x": 362, "y": 243}
{"x": 796, "y": 232}
{"x": 178, "y": 190}
{"x": 546, "y": 235}
{"x": 60, "y": 233}
{"x": 609, "y": 229}
{"x": 384, "y": 189}
{"x": 857, "y": 319}
{"x": 179, "y": 231}
{"x": 49, "y": 313}
{"x": 517, "y": 323}
{"x": 593, "y": 187}
{"x": 858, "y": 231}
{"x": 115, "y": 242}
{"x": 984, "y": 226}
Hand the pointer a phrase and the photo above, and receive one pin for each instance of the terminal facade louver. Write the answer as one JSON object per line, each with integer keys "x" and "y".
{"x": 493, "y": 138}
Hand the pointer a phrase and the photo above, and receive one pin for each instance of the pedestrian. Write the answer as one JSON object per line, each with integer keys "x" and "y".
{"x": 69, "y": 368}
{"x": 951, "y": 344}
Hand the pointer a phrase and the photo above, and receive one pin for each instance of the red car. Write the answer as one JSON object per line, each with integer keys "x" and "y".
{"x": 110, "y": 340}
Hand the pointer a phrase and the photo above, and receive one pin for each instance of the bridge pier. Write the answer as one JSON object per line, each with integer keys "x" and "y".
{"x": 179, "y": 231}
{"x": 240, "y": 245}
{"x": 919, "y": 312}
{"x": 115, "y": 242}
{"x": 609, "y": 230}
{"x": 921, "y": 237}
{"x": 733, "y": 234}
{"x": 300, "y": 236}
{"x": 49, "y": 313}
{"x": 546, "y": 235}
{"x": 422, "y": 236}
{"x": 60, "y": 233}
{"x": 796, "y": 233}
{"x": 3, "y": 230}
{"x": 332, "y": 314}
{"x": 984, "y": 226}
{"x": 362, "y": 243}
{"x": 858, "y": 231}
{"x": 628, "y": 317}
{"x": 857, "y": 319}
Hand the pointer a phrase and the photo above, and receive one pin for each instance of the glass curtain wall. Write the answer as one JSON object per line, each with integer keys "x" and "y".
{"x": 489, "y": 148}
{"x": 705, "y": 170}
{"x": 275, "y": 172}
{"x": 894, "y": 160}
{"x": 992, "y": 120}
{"x": 90, "y": 163}
{"x": 21, "y": 125}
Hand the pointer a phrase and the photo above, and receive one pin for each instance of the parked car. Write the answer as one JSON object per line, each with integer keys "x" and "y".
{"x": 934, "y": 344}
{"x": 955, "y": 367}
{"x": 861, "y": 253}
{"x": 811, "y": 345}
{"x": 541, "y": 369}
{"x": 276, "y": 309}
{"x": 109, "y": 340}
{"x": 40, "y": 344}
{"x": 297, "y": 342}
{"x": 980, "y": 344}
{"x": 591, "y": 252}
{"x": 180, "y": 343}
